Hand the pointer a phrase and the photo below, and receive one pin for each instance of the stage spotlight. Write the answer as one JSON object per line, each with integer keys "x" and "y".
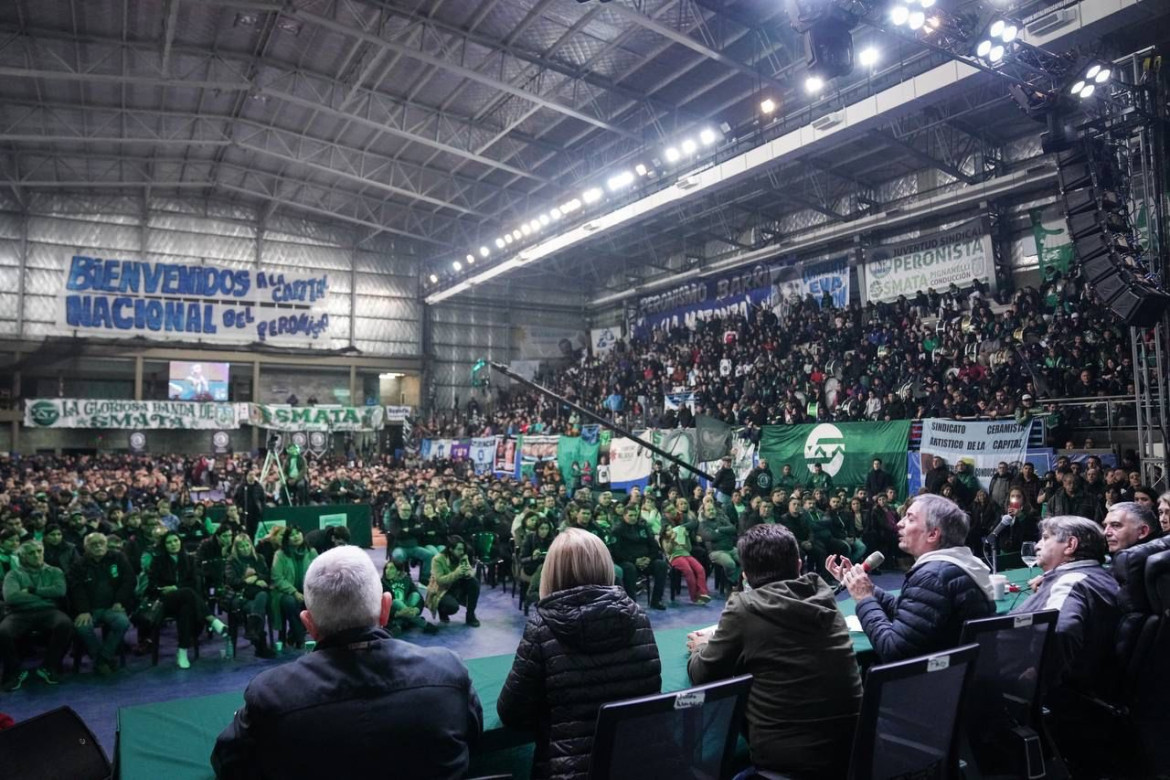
{"x": 508, "y": 238}
{"x": 983, "y": 49}
{"x": 484, "y": 251}
{"x": 767, "y": 106}
{"x": 620, "y": 181}
{"x": 672, "y": 154}
{"x": 868, "y": 57}
{"x": 500, "y": 243}
{"x": 434, "y": 279}
{"x": 689, "y": 146}
{"x": 458, "y": 266}
{"x": 899, "y": 14}
{"x": 999, "y": 35}
{"x": 996, "y": 53}
{"x": 916, "y": 20}
{"x": 525, "y": 230}
{"x": 544, "y": 219}
{"x": 516, "y": 234}
{"x": 814, "y": 84}
{"x": 555, "y": 213}
{"x": 707, "y": 136}
{"x": 535, "y": 225}
{"x": 926, "y": 3}
{"x": 592, "y": 195}
{"x": 471, "y": 259}
{"x": 641, "y": 169}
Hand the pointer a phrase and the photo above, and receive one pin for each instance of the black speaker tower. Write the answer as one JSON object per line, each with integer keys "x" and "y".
{"x": 1098, "y": 223}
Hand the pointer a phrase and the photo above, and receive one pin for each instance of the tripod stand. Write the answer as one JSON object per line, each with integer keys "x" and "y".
{"x": 272, "y": 463}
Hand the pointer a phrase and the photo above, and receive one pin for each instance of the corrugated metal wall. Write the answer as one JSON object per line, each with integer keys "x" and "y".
{"x": 374, "y": 303}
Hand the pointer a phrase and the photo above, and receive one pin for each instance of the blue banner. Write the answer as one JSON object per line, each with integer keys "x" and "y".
{"x": 178, "y": 302}
{"x": 732, "y": 293}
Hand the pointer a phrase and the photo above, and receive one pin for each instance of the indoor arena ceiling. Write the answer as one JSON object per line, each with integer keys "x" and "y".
{"x": 444, "y": 123}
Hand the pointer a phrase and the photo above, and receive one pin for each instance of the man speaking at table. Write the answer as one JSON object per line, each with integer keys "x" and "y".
{"x": 360, "y": 699}
{"x": 946, "y": 586}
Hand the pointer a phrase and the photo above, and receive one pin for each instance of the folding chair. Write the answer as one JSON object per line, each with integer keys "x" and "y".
{"x": 685, "y": 734}
{"x": 1003, "y": 730}
{"x": 909, "y": 721}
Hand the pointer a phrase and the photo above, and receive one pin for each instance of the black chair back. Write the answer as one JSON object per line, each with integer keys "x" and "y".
{"x": 1002, "y": 714}
{"x": 1143, "y": 645}
{"x": 52, "y": 746}
{"x": 909, "y": 722}
{"x": 685, "y": 734}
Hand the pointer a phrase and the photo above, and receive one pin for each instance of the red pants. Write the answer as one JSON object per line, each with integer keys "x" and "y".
{"x": 694, "y": 575}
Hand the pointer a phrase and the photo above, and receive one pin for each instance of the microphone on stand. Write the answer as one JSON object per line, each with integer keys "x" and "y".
{"x": 1006, "y": 522}
{"x": 872, "y": 562}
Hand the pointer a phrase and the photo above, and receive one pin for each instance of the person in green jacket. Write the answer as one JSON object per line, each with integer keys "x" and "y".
{"x": 819, "y": 479}
{"x": 288, "y": 579}
{"x": 33, "y": 593}
{"x": 406, "y": 607}
{"x": 786, "y": 481}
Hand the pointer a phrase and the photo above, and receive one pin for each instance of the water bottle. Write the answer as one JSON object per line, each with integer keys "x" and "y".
{"x": 227, "y": 652}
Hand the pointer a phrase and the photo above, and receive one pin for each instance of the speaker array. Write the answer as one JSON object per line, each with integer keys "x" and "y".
{"x": 1098, "y": 224}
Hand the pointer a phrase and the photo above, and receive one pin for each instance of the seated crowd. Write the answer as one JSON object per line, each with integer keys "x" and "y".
{"x": 936, "y": 355}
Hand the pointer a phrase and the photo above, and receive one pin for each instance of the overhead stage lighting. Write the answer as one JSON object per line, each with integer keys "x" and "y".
{"x": 767, "y": 106}
{"x": 1095, "y": 75}
{"x": 484, "y": 251}
{"x": 996, "y": 41}
{"x": 458, "y": 266}
{"x": 501, "y": 243}
{"x": 868, "y": 57}
{"x": 814, "y": 84}
{"x": 434, "y": 279}
{"x": 672, "y": 154}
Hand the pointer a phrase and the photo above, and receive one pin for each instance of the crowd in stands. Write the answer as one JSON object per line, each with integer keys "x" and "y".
{"x": 954, "y": 354}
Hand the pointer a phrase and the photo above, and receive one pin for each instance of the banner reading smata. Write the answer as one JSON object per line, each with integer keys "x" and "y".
{"x": 142, "y": 415}
{"x": 282, "y": 417}
{"x": 956, "y": 256}
{"x": 844, "y": 450}
{"x": 983, "y": 445}
{"x": 179, "y": 302}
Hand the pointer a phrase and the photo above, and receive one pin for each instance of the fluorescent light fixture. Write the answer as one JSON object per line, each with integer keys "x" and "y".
{"x": 641, "y": 169}
{"x": 500, "y": 243}
{"x": 458, "y": 266}
{"x": 899, "y": 14}
{"x": 707, "y": 136}
{"x": 484, "y": 251}
{"x": 592, "y": 195}
{"x": 689, "y": 146}
{"x": 620, "y": 181}
{"x": 868, "y": 57}
{"x": 543, "y": 219}
{"x": 767, "y": 105}
{"x": 672, "y": 154}
{"x": 814, "y": 84}
{"x": 434, "y": 279}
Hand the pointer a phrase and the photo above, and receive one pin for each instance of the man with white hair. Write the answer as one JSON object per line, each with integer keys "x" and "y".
{"x": 359, "y": 698}
{"x": 946, "y": 586}
{"x": 1128, "y": 523}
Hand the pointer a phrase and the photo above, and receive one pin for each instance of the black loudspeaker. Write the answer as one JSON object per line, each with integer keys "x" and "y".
{"x": 1097, "y": 244}
{"x": 54, "y": 746}
{"x": 1111, "y": 285}
{"x": 1091, "y": 222}
{"x": 828, "y": 47}
{"x": 1098, "y": 268}
{"x": 1140, "y": 305}
{"x": 1088, "y": 199}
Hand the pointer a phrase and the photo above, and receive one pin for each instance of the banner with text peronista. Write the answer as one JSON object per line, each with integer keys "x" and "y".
{"x": 282, "y": 417}
{"x": 981, "y": 445}
{"x": 955, "y": 256}
{"x": 140, "y": 415}
{"x": 180, "y": 302}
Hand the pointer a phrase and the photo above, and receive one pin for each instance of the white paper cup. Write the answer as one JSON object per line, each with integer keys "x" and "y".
{"x": 999, "y": 586}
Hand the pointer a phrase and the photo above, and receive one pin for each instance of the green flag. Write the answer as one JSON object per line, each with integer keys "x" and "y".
{"x": 574, "y": 448}
{"x": 844, "y": 450}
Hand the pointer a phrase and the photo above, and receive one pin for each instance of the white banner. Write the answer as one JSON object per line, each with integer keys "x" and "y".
{"x": 672, "y": 402}
{"x": 179, "y": 302}
{"x": 483, "y": 454}
{"x": 629, "y": 463}
{"x": 981, "y": 444}
{"x": 956, "y": 256}
{"x": 325, "y": 417}
{"x": 140, "y": 415}
{"x": 603, "y": 340}
{"x": 397, "y": 414}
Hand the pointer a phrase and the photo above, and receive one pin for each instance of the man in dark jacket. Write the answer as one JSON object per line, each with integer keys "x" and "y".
{"x": 361, "y": 696}
{"x": 759, "y": 479}
{"x": 936, "y": 477}
{"x": 1071, "y": 551}
{"x": 878, "y": 479}
{"x": 250, "y": 499}
{"x": 101, "y": 587}
{"x": 946, "y": 586}
{"x": 725, "y": 480}
{"x": 1071, "y": 499}
{"x": 637, "y": 552}
{"x": 788, "y": 633}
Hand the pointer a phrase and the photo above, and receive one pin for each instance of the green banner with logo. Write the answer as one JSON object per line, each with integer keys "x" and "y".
{"x": 574, "y": 449}
{"x": 140, "y": 415}
{"x": 844, "y": 450}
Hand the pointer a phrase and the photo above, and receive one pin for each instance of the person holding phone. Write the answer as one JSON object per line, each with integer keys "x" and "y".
{"x": 453, "y": 583}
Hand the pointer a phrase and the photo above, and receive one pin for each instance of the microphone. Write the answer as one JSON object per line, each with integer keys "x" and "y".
{"x": 1005, "y": 523}
{"x": 873, "y": 561}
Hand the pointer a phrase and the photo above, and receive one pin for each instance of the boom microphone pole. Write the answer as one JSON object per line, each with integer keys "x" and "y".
{"x": 598, "y": 419}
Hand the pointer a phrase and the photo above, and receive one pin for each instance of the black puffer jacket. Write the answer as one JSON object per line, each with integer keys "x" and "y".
{"x": 583, "y": 647}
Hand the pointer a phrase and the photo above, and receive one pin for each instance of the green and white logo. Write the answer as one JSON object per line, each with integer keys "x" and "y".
{"x": 45, "y": 413}
{"x": 825, "y": 445}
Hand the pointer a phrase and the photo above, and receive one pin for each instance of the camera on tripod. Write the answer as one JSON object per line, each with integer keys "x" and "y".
{"x": 274, "y": 441}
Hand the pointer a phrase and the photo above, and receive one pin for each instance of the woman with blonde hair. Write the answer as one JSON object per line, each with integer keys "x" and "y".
{"x": 598, "y": 641}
